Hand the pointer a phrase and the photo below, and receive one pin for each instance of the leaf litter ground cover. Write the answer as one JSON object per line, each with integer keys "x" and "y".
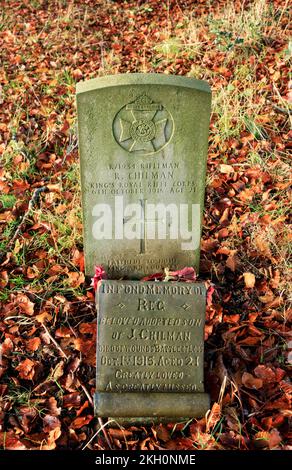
{"x": 47, "y": 314}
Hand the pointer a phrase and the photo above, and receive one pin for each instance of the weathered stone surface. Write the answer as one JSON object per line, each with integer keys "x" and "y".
{"x": 150, "y": 344}
{"x": 143, "y": 138}
{"x": 160, "y": 405}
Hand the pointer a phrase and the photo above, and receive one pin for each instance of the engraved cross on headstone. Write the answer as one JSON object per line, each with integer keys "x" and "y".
{"x": 152, "y": 131}
{"x": 143, "y": 220}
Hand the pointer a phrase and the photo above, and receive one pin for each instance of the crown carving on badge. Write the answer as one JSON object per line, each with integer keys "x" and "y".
{"x": 144, "y": 103}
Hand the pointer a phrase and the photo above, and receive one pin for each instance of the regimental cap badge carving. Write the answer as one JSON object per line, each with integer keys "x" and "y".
{"x": 143, "y": 127}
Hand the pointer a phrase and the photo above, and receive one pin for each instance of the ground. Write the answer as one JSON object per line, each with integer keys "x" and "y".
{"x": 47, "y": 314}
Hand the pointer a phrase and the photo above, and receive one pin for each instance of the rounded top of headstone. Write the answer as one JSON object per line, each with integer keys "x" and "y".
{"x": 124, "y": 79}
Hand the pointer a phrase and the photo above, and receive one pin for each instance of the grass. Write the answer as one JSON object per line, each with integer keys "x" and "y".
{"x": 21, "y": 397}
{"x": 243, "y": 28}
{"x": 7, "y": 200}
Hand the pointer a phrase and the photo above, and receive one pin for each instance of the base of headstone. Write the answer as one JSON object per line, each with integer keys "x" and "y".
{"x": 150, "y": 353}
{"x": 151, "y": 407}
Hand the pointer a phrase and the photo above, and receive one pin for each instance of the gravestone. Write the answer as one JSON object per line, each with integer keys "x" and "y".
{"x": 150, "y": 345}
{"x": 143, "y": 146}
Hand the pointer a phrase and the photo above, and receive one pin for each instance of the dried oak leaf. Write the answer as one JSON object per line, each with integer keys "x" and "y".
{"x": 9, "y": 441}
{"x": 182, "y": 443}
{"x": 32, "y": 272}
{"x": 43, "y": 317}
{"x": 88, "y": 328}
{"x": 87, "y": 348}
{"x": 6, "y": 347}
{"x": 231, "y": 416}
{"x": 209, "y": 245}
{"x": 50, "y": 422}
{"x": 283, "y": 403}
{"x": 209, "y": 297}
{"x": 3, "y": 365}
{"x": 120, "y": 434}
{"x": 78, "y": 259}
{"x": 53, "y": 435}
{"x": 163, "y": 433}
{"x": 24, "y": 304}
{"x": 263, "y": 246}
{"x": 82, "y": 408}
{"x": 73, "y": 365}
{"x": 58, "y": 370}
{"x": 247, "y": 195}
{"x": 249, "y": 381}
{"x": 232, "y": 263}
{"x": 226, "y": 169}
{"x": 250, "y": 341}
{"x": 63, "y": 332}
{"x": 81, "y": 421}
{"x": 77, "y": 74}
{"x": 143, "y": 445}
{"x": 3, "y": 279}
{"x": 52, "y": 407}
{"x": 72, "y": 400}
{"x": 33, "y": 344}
{"x": 45, "y": 388}
{"x": 267, "y": 439}
{"x": 287, "y": 389}
{"x": 26, "y": 416}
{"x": 249, "y": 280}
{"x": 75, "y": 279}
{"x": 26, "y": 369}
{"x": 213, "y": 416}
{"x": 265, "y": 373}
{"x": 233, "y": 440}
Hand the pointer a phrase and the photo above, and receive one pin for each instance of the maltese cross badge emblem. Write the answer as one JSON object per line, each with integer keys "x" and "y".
{"x": 143, "y": 127}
